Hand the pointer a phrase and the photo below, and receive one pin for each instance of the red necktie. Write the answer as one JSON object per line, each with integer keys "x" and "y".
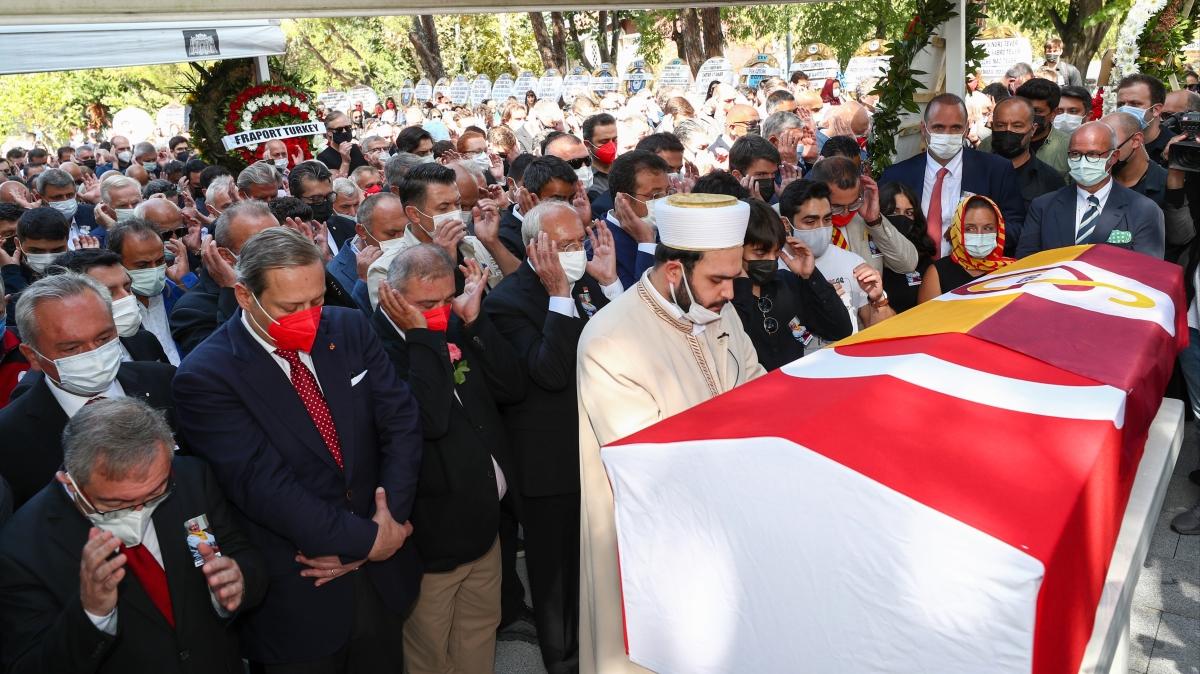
{"x": 152, "y": 577}
{"x": 933, "y": 220}
{"x": 306, "y": 385}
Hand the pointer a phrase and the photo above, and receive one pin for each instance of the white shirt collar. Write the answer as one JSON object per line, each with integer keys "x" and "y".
{"x": 1100, "y": 194}
{"x": 269, "y": 348}
{"x": 517, "y": 214}
{"x": 395, "y": 327}
{"x": 954, "y": 166}
{"x": 72, "y": 403}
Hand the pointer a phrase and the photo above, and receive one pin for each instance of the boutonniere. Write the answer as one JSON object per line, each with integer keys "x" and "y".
{"x": 461, "y": 368}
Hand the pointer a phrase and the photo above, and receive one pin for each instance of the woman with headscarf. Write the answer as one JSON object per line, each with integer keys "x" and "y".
{"x": 976, "y": 248}
{"x": 831, "y": 93}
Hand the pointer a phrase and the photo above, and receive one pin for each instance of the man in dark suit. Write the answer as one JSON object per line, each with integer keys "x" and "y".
{"x": 56, "y": 189}
{"x": 545, "y": 179}
{"x": 316, "y": 441}
{"x": 636, "y": 179}
{"x": 125, "y": 591}
{"x": 542, "y": 309}
{"x": 42, "y": 234}
{"x": 1096, "y": 209}
{"x": 459, "y": 367}
{"x": 950, "y": 171}
{"x": 72, "y": 347}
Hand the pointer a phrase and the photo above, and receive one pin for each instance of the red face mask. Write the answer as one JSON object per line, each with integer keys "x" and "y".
{"x": 606, "y": 152}
{"x": 373, "y": 189}
{"x": 844, "y": 219}
{"x": 296, "y": 331}
{"x": 438, "y": 319}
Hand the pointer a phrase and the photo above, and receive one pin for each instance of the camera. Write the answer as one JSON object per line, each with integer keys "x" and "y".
{"x": 1185, "y": 154}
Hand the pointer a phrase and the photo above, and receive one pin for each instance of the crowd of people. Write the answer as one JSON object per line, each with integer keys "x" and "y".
{"x": 308, "y": 414}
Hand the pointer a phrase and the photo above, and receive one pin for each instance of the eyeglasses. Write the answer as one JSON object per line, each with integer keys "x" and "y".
{"x": 654, "y": 195}
{"x": 576, "y": 246}
{"x": 177, "y": 233}
{"x": 1092, "y": 157}
{"x": 318, "y": 199}
{"x": 160, "y": 494}
{"x": 341, "y": 129}
{"x": 580, "y": 162}
{"x": 769, "y": 323}
{"x": 842, "y": 210}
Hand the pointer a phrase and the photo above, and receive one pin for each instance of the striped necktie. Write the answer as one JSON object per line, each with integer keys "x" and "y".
{"x": 1087, "y": 224}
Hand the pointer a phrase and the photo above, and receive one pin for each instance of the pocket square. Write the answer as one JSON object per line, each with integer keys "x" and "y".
{"x": 1120, "y": 236}
{"x": 357, "y": 378}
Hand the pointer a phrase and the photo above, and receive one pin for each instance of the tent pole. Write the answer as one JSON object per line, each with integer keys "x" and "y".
{"x": 954, "y": 32}
{"x": 262, "y": 71}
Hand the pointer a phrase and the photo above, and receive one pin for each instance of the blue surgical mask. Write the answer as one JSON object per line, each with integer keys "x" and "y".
{"x": 1087, "y": 172}
{"x": 1138, "y": 113}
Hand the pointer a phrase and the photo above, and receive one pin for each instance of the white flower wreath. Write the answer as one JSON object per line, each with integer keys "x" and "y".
{"x": 1125, "y": 59}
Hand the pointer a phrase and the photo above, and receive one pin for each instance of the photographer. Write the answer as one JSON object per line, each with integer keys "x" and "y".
{"x": 342, "y": 155}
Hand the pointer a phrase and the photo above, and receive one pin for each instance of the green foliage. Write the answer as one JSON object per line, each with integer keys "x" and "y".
{"x": 1161, "y": 43}
{"x": 844, "y": 26}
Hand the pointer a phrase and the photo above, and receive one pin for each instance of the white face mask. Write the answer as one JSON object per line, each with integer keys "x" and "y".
{"x": 148, "y": 282}
{"x": 124, "y": 214}
{"x": 1068, "y": 123}
{"x": 584, "y": 175}
{"x": 482, "y": 161}
{"x": 125, "y": 156}
{"x": 979, "y": 245}
{"x": 650, "y": 206}
{"x": 438, "y": 221}
{"x": 697, "y": 314}
{"x": 574, "y": 264}
{"x": 39, "y": 261}
{"x": 127, "y": 315}
{"x": 816, "y": 239}
{"x": 280, "y": 164}
{"x": 945, "y": 146}
{"x": 129, "y": 526}
{"x": 89, "y": 373}
{"x": 467, "y": 218}
{"x": 67, "y": 207}
{"x": 391, "y": 246}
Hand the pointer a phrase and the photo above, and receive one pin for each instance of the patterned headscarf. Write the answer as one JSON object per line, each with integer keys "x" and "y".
{"x": 958, "y": 251}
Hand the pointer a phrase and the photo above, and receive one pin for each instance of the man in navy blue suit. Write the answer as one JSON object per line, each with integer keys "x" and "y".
{"x": 951, "y": 171}
{"x": 316, "y": 441}
{"x": 56, "y": 188}
{"x": 636, "y": 179}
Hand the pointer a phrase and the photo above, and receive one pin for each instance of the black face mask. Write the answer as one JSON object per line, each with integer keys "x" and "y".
{"x": 1039, "y": 121}
{"x": 182, "y": 157}
{"x": 1008, "y": 144}
{"x": 761, "y": 272}
{"x": 902, "y": 224}
{"x": 90, "y": 163}
{"x": 322, "y": 211}
{"x": 766, "y": 187}
{"x": 343, "y": 136}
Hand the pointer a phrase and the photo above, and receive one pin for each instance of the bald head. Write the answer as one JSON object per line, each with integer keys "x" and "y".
{"x": 13, "y": 191}
{"x": 741, "y": 120}
{"x": 1014, "y": 108}
{"x": 162, "y": 213}
{"x": 853, "y": 117}
{"x": 1124, "y": 124}
{"x": 1097, "y": 136}
{"x": 1182, "y": 101}
{"x": 73, "y": 170}
{"x": 470, "y": 183}
{"x": 138, "y": 173}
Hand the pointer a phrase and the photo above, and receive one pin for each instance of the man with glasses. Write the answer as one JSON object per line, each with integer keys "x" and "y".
{"x": 157, "y": 284}
{"x": 73, "y": 348}
{"x": 56, "y": 188}
{"x": 543, "y": 179}
{"x": 638, "y": 180}
{"x": 1096, "y": 209}
{"x": 109, "y": 587}
{"x": 542, "y": 310}
{"x": 341, "y": 154}
{"x": 741, "y": 120}
{"x": 859, "y": 225}
{"x": 312, "y": 183}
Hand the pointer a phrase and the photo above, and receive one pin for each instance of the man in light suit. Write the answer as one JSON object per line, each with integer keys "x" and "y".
{"x": 1096, "y": 209}
{"x": 316, "y": 441}
{"x": 952, "y": 171}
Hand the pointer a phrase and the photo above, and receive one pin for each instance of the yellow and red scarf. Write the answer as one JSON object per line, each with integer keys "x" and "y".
{"x": 958, "y": 252}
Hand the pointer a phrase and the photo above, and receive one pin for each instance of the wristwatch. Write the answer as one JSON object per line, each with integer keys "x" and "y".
{"x": 876, "y": 222}
{"x": 881, "y": 302}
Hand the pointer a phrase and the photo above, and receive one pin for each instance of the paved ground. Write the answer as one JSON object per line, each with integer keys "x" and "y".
{"x": 1165, "y": 626}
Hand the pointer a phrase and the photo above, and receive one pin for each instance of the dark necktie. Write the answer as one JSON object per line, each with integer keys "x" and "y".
{"x": 1087, "y": 224}
{"x": 152, "y": 578}
{"x": 310, "y": 394}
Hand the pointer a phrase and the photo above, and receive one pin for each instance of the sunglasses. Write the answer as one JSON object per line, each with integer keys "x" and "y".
{"x": 770, "y": 324}
{"x": 177, "y": 233}
{"x": 580, "y": 162}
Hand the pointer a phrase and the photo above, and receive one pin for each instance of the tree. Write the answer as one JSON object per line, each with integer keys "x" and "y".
{"x": 548, "y": 48}
{"x": 1082, "y": 24}
{"x": 844, "y": 26}
{"x": 424, "y": 38}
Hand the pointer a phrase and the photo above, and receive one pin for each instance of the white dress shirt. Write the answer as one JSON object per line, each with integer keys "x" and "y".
{"x": 951, "y": 192}
{"x": 305, "y": 357}
{"x": 566, "y": 305}
{"x": 644, "y": 247}
{"x": 154, "y": 319}
{"x": 1081, "y": 200}
{"x": 72, "y": 403}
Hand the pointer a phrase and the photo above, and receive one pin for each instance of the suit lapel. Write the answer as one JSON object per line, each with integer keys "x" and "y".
{"x": 266, "y": 378}
{"x": 1064, "y": 213}
{"x": 334, "y": 376}
{"x": 1111, "y": 216}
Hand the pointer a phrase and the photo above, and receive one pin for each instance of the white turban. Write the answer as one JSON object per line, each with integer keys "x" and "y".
{"x": 701, "y": 221}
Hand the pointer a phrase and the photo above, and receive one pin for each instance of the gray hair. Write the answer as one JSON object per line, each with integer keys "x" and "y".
{"x": 425, "y": 261}
{"x": 224, "y": 222}
{"x": 83, "y": 147}
{"x": 56, "y": 287}
{"x": 365, "y": 142}
{"x": 1019, "y": 70}
{"x": 115, "y": 183}
{"x": 778, "y": 122}
{"x": 366, "y": 210}
{"x": 216, "y": 186}
{"x": 398, "y": 166}
{"x": 144, "y": 147}
{"x": 345, "y": 187}
{"x": 53, "y": 178}
{"x": 273, "y": 248}
{"x": 258, "y": 173}
{"x": 117, "y": 436}
{"x": 532, "y": 225}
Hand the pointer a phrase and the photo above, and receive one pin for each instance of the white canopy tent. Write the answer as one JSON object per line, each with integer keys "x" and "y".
{"x": 77, "y": 44}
